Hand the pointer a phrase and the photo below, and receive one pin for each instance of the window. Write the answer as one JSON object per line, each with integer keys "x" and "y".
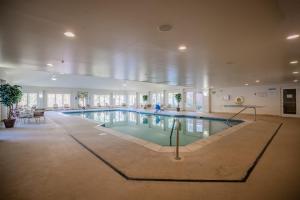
{"x": 67, "y": 99}
{"x": 199, "y": 101}
{"x": 171, "y": 99}
{"x": 119, "y": 100}
{"x": 61, "y": 100}
{"x": 29, "y": 99}
{"x": 189, "y": 99}
{"x": 132, "y": 99}
{"x": 157, "y": 98}
{"x": 101, "y": 100}
{"x": 23, "y": 101}
{"x": 50, "y": 100}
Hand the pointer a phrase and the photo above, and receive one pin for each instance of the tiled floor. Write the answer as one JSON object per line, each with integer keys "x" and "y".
{"x": 43, "y": 162}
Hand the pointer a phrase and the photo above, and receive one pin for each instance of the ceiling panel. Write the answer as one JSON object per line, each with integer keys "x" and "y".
{"x": 228, "y": 42}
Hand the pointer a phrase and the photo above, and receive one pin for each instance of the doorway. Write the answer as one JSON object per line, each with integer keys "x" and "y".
{"x": 289, "y": 101}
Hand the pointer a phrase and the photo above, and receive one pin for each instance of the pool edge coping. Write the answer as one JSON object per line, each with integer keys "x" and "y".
{"x": 194, "y": 146}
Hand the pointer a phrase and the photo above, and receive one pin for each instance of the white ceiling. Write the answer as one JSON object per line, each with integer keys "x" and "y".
{"x": 229, "y": 42}
{"x": 43, "y": 79}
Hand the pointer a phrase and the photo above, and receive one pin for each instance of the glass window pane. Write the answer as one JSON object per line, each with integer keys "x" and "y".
{"x": 189, "y": 99}
{"x": 50, "y": 100}
{"x": 107, "y": 100}
{"x": 32, "y": 99}
{"x": 132, "y": 99}
{"x": 59, "y": 100}
{"x": 67, "y": 99}
{"x": 23, "y": 101}
{"x": 96, "y": 100}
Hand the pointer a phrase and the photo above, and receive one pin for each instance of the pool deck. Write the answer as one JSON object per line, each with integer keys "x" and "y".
{"x": 66, "y": 158}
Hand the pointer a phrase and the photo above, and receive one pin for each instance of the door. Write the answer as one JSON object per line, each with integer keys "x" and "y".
{"x": 289, "y": 101}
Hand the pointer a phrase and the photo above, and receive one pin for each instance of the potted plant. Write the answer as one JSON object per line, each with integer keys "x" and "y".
{"x": 178, "y": 99}
{"x": 145, "y": 99}
{"x": 10, "y": 95}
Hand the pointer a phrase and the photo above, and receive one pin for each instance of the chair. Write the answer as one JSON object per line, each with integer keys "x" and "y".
{"x": 66, "y": 106}
{"x": 38, "y": 114}
{"x": 157, "y": 108}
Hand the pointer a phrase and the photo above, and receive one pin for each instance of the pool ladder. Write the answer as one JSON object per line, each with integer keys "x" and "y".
{"x": 177, "y": 157}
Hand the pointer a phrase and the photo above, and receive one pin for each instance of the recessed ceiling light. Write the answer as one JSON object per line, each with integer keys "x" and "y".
{"x": 246, "y": 84}
{"x": 257, "y": 81}
{"x": 50, "y": 65}
{"x": 295, "y": 72}
{"x": 296, "y": 81}
{"x": 69, "y": 34}
{"x": 291, "y": 37}
{"x": 294, "y": 62}
{"x": 182, "y": 48}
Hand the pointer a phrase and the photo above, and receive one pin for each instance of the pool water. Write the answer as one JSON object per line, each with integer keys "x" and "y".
{"x": 157, "y": 128}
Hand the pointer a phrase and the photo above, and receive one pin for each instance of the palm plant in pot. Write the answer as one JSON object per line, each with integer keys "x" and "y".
{"x": 145, "y": 99}
{"x": 10, "y": 95}
{"x": 178, "y": 99}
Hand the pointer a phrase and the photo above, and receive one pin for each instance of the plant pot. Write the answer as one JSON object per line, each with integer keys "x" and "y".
{"x": 178, "y": 109}
{"x": 9, "y": 123}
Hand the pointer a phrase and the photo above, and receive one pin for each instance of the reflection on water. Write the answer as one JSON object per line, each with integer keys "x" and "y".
{"x": 156, "y": 128}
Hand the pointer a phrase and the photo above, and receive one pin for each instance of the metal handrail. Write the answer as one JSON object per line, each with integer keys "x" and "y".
{"x": 246, "y": 107}
{"x": 172, "y": 131}
{"x": 177, "y": 137}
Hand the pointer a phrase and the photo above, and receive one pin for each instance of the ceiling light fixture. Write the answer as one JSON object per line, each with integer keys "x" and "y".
{"x": 295, "y": 72}
{"x": 294, "y": 62}
{"x": 69, "y": 34}
{"x": 257, "y": 81}
{"x": 291, "y": 37}
{"x": 295, "y": 80}
{"x": 246, "y": 84}
{"x": 50, "y": 65}
{"x": 182, "y": 48}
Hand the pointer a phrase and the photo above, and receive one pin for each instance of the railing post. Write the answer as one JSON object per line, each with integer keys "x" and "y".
{"x": 177, "y": 140}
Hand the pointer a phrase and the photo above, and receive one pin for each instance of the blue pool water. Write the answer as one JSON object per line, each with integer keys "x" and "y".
{"x": 157, "y": 128}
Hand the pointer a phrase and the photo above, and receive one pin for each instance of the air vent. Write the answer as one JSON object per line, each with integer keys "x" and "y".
{"x": 165, "y": 27}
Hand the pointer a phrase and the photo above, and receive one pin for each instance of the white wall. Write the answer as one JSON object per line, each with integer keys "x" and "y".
{"x": 269, "y": 97}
